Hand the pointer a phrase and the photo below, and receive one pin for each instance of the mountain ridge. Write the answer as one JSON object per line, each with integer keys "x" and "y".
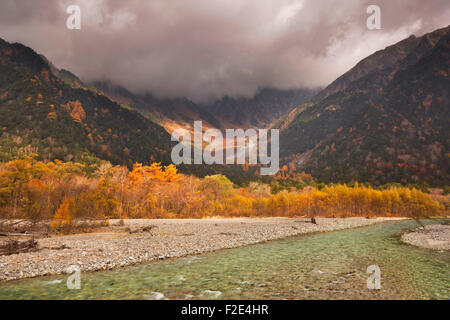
{"x": 41, "y": 112}
{"x": 376, "y": 128}
{"x": 258, "y": 111}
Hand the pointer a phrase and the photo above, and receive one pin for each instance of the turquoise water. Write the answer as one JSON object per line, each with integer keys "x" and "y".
{"x": 321, "y": 266}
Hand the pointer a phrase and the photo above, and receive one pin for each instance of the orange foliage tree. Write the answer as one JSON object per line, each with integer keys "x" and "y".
{"x": 66, "y": 192}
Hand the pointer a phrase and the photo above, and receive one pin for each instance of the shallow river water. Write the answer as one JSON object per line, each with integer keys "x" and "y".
{"x": 320, "y": 266}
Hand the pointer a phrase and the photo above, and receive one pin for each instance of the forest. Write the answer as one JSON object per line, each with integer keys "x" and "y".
{"x": 67, "y": 192}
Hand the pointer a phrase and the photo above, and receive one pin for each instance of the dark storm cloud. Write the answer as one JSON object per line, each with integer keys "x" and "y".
{"x": 205, "y": 49}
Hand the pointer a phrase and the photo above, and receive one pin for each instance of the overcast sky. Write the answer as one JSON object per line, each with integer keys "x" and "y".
{"x": 205, "y": 49}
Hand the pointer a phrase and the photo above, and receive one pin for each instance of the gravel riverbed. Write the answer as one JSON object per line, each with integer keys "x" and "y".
{"x": 145, "y": 240}
{"x": 436, "y": 237}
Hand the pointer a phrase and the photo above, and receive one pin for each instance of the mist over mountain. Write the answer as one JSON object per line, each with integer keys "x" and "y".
{"x": 206, "y": 50}
{"x": 259, "y": 111}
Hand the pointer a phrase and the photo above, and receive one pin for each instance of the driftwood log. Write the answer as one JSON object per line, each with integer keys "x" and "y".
{"x": 13, "y": 246}
{"x": 9, "y": 234}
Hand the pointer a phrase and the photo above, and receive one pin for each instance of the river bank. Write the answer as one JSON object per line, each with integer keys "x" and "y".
{"x": 435, "y": 237}
{"x": 137, "y": 241}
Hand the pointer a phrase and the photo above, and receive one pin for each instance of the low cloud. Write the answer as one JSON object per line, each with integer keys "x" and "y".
{"x": 205, "y": 49}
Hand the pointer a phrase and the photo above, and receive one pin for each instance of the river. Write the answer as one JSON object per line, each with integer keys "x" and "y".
{"x": 319, "y": 266}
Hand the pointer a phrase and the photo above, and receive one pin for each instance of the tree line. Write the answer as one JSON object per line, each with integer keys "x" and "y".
{"x": 66, "y": 192}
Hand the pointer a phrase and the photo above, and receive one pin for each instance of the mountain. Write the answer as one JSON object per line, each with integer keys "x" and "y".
{"x": 51, "y": 112}
{"x": 385, "y": 120}
{"x": 259, "y": 111}
{"x": 169, "y": 113}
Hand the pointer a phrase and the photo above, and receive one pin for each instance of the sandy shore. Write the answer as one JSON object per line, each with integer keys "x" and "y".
{"x": 118, "y": 247}
{"x": 436, "y": 237}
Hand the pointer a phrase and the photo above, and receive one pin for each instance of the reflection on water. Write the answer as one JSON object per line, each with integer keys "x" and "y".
{"x": 321, "y": 266}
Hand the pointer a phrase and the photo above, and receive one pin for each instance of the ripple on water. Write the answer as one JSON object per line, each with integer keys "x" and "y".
{"x": 154, "y": 296}
{"x": 211, "y": 294}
